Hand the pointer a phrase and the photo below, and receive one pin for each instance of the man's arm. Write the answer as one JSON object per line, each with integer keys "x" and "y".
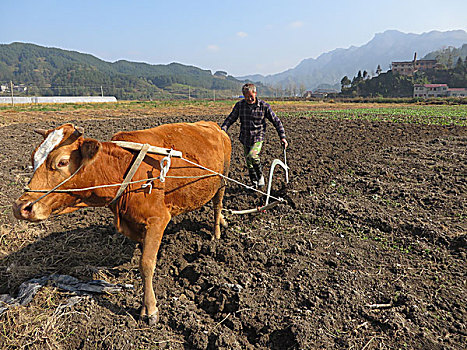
{"x": 232, "y": 118}
{"x": 277, "y": 124}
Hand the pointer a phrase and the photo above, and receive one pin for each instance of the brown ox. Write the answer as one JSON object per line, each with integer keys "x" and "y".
{"x": 141, "y": 213}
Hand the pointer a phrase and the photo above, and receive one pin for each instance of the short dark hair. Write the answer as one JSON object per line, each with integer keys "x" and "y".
{"x": 248, "y": 87}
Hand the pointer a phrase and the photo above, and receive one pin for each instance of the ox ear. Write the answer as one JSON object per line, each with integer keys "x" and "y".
{"x": 42, "y": 132}
{"x": 89, "y": 149}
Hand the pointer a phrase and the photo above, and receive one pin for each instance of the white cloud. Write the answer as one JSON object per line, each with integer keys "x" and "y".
{"x": 296, "y": 24}
{"x": 213, "y": 48}
{"x": 242, "y": 34}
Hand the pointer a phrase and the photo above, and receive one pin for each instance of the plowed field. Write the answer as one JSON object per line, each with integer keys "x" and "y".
{"x": 368, "y": 253}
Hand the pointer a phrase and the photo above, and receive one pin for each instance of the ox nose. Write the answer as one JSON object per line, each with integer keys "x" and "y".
{"x": 22, "y": 210}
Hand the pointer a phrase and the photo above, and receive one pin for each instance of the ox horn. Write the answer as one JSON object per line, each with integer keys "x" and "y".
{"x": 42, "y": 132}
{"x": 79, "y": 130}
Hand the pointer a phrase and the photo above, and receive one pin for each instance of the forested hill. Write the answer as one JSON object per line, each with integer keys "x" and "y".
{"x": 53, "y": 71}
{"x": 448, "y": 56}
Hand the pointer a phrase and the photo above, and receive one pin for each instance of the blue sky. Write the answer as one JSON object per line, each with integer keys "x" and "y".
{"x": 239, "y": 37}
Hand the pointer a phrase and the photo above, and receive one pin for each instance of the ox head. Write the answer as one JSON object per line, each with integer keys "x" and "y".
{"x": 62, "y": 152}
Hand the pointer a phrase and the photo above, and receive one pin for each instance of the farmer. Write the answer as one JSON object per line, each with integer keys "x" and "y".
{"x": 253, "y": 113}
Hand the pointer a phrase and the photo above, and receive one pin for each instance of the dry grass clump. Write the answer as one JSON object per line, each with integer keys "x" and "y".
{"x": 13, "y": 239}
{"x": 55, "y": 318}
{"x": 30, "y": 250}
{"x": 45, "y": 323}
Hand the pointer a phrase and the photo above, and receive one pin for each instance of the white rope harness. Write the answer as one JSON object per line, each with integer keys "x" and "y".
{"x": 165, "y": 164}
{"x": 55, "y": 188}
{"x": 233, "y": 180}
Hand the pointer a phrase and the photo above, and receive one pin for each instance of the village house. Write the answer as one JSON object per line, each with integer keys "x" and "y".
{"x": 410, "y": 67}
{"x": 437, "y": 90}
{"x": 430, "y": 90}
{"x": 18, "y": 88}
{"x": 457, "y": 92}
{"x": 319, "y": 93}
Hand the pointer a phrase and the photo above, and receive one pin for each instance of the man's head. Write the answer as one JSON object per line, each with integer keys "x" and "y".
{"x": 249, "y": 92}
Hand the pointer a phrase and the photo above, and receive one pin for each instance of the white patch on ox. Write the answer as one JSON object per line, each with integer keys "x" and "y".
{"x": 54, "y": 138}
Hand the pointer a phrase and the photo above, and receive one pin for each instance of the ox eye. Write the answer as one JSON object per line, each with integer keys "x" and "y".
{"x": 63, "y": 162}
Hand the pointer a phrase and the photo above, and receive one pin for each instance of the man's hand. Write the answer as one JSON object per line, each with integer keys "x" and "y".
{"x": 284, "y": 143}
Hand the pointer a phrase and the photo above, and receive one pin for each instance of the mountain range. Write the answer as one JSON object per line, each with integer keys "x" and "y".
{"x": 329, "y": 68}
{"x": 53, "y": 71}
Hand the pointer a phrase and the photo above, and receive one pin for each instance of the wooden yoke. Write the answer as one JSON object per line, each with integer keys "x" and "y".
{"x": 152, "y": 149}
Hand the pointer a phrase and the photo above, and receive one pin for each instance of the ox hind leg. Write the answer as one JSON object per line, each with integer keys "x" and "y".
{"x": 151, "y": 242}
{"x": 218, "y": 217}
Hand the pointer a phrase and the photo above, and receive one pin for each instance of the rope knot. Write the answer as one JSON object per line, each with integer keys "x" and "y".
{"x": 148, "y": 184}
{"x": 165, "y": 165}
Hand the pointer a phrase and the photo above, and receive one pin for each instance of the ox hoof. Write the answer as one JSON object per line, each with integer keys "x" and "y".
{"x": 216, "y": 235}
{"x": 154, "y": 318}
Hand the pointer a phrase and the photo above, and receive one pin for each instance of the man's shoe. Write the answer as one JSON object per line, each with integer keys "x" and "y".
{"x": 253, "y": 178}
{"x": 261, "y": 181}
{"x": 258, "y": 169}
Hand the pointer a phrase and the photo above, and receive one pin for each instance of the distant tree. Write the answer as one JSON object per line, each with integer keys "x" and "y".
{"x": 301, "y": 89}
{"x": 459, "y": 65}
{"x": 293, "y": 89}
{"x": 365, "y": 74}
{"x": 220, "y": 73}
{"x": 345, "y": 82}
{"x": 450, "y": 60}
{"x": 357, "y": 79}
{"x": 378, "y": 70}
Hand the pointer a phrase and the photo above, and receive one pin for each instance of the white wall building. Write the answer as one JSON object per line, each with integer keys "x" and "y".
{"x": 457, "y": 92}
{"x": 430, "y": 90}
{"x": 437, "y": 90}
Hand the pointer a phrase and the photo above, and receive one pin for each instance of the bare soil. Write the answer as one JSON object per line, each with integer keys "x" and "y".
{"x": 368, "y": 253}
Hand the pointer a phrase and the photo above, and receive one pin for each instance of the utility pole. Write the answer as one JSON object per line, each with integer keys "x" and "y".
{"x": 189, "y": 93}
{"x": 11, "y": 88}
{"x": 214, "y": 95}
{"x": 102, "y": 92}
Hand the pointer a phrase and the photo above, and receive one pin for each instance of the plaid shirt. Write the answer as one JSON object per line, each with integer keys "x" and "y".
{"x": 253, "y": 121}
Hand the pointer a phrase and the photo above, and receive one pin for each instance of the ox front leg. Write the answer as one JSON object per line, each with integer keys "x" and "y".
{"x": 154, "y": 231}
{"x": 218, "y": 217}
